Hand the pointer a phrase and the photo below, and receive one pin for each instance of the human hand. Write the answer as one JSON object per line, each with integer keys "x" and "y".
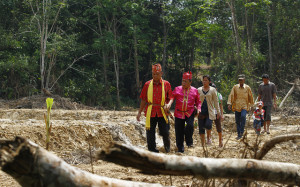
{"x": 167, "y": 107}
{"x": 229, "y": 107}
{"x": 138, "y": 116}
{"x": 218, "y": 116}
{"x": 222, "y": 118}
{"x": 275, "y": 106}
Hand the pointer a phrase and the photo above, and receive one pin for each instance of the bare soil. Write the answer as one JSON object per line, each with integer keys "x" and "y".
{"x": 76, "y": 127}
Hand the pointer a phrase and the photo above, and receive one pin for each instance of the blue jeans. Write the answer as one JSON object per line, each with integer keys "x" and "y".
{"x": 240, "y": 120}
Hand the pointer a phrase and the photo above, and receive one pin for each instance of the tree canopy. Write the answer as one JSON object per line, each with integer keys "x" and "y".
{"x": 100, "y": 52}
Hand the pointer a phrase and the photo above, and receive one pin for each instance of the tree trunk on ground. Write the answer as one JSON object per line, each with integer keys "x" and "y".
{"x": 32, "y": 165}
{"x": 205, "y": 168}
{"x": 271, "y": 143}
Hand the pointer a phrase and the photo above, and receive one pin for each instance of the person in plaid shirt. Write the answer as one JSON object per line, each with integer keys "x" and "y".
{"x": 155, "y": 102}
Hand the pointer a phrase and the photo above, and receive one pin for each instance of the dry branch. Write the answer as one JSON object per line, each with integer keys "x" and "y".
{"x": 205, "y": 168}
{"x": 271, "y": 143}
{"x": 32, "y": 165}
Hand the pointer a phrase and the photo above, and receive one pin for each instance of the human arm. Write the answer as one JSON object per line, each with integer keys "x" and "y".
{"x": 230, "y": 99}
{"x": 197, "y": 104}
{"x": 170, "y": 95}
{"x": 274, "y": 96}
{"x": 142, "y": 106}
{"x": 216, "y": 103}
{"x": 250, "y": 98}
{"x": 221, "y": 109}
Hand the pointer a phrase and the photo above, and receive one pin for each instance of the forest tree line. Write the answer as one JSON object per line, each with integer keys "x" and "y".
{"x": 100, "y": 52}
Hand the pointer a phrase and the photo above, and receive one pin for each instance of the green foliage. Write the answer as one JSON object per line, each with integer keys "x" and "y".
{"x": 192, "y": 35}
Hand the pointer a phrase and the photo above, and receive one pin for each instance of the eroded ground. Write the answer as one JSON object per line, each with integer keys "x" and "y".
{"x": 71, "y": 129}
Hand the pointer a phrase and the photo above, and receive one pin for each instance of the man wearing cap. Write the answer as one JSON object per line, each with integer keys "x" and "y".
{"x": 240, "y": 101}
{"x": 267, "y": 93}
{"x": 156, "y": 99}
{"x": 187, "y": 106}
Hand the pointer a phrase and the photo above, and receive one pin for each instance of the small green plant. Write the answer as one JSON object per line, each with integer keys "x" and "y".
{"x": 49, "y": 102}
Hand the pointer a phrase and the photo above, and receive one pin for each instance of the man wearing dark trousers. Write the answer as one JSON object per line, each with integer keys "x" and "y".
{"x": 187, "y": 105}
{"x": 156, "y": 99}
{"x": 267, "y": 93}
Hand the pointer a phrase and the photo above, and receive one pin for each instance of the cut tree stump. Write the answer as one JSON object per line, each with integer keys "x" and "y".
{"x": 204, "y": 168}
{"x": 31, "y": 165}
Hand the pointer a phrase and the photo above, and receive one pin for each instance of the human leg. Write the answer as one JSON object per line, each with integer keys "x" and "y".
{"x": 219, "y": 130}
{"x": 151, "y": 135}
{"x": 201, "y": 122}
{"x": 179, "y": 133}
{"x": 243, "y": 121}
{"x": 164, "y": 132}
{"x": 208, "y": 126}
{"x": 267, "y": 117}
{"x": 238, "y": 124}
{"x": 189, "y": 130}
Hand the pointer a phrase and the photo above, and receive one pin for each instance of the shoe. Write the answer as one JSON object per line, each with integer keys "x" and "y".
{"x": 239, "y": 137}
{"x": 263, "y": 131}
{"x": 268, "y": 132}
{"x": 209, "y": 142}
{"x": 190, "y": 146}
{"x": 167, "y": 149}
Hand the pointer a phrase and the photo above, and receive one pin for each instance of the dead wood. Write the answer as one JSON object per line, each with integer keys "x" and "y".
{"x": 31, "y": 165}
{"x": 296, "y": 84}
{"x": 205, "y": 168}
{"x": 267, "y": 146}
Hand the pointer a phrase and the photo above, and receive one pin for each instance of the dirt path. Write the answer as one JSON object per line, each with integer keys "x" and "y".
{"x": 72, "y": 127}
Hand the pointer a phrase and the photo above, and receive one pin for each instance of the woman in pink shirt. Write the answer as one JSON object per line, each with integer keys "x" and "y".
{"x": 187, "y": 106}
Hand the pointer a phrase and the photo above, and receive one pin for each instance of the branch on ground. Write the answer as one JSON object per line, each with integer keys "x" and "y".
{"x": 31, "y": 165}
{"x": 267, "y": 146}
{"x": 205, "y": 168}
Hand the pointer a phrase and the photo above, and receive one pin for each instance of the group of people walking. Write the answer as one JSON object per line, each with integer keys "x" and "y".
{"x": 205, "y": 103}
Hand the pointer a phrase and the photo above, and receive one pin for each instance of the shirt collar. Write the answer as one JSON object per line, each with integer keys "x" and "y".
{"x": 160, "y": 82}
{"x": 242, "y": 86}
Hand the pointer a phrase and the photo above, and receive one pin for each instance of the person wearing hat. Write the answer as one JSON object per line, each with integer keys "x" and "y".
{"x": 156, "y": 99}
{"x": 267, "y": 93}
{"x": 258, "y": 115}
{"x": 240, "y": 101}
{"x": 187, "y": 107}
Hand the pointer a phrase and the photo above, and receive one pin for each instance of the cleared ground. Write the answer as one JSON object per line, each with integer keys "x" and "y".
{"x": 72, "y": 128}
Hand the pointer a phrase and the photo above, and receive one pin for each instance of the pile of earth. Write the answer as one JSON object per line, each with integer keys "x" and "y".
{"x": 39, "y": 101}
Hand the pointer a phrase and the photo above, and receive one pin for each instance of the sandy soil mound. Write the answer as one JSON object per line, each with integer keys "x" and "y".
{"x": 39, "y": 101}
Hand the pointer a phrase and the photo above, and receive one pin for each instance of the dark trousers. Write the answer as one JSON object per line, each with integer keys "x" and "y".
{"x": 163, "y": 131}
{"x": 240, "y": 120}
{"x": 184, "y": 131}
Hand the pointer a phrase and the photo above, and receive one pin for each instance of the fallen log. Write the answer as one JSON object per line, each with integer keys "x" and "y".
{"x": 31, "y": 165}
{"x": 205, "y": 168}
{"x": 268, "y": 145}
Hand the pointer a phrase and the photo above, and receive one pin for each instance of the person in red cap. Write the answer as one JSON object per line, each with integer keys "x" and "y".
{"x": 187, "y": 106}
{"x": 156, "y": 99}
